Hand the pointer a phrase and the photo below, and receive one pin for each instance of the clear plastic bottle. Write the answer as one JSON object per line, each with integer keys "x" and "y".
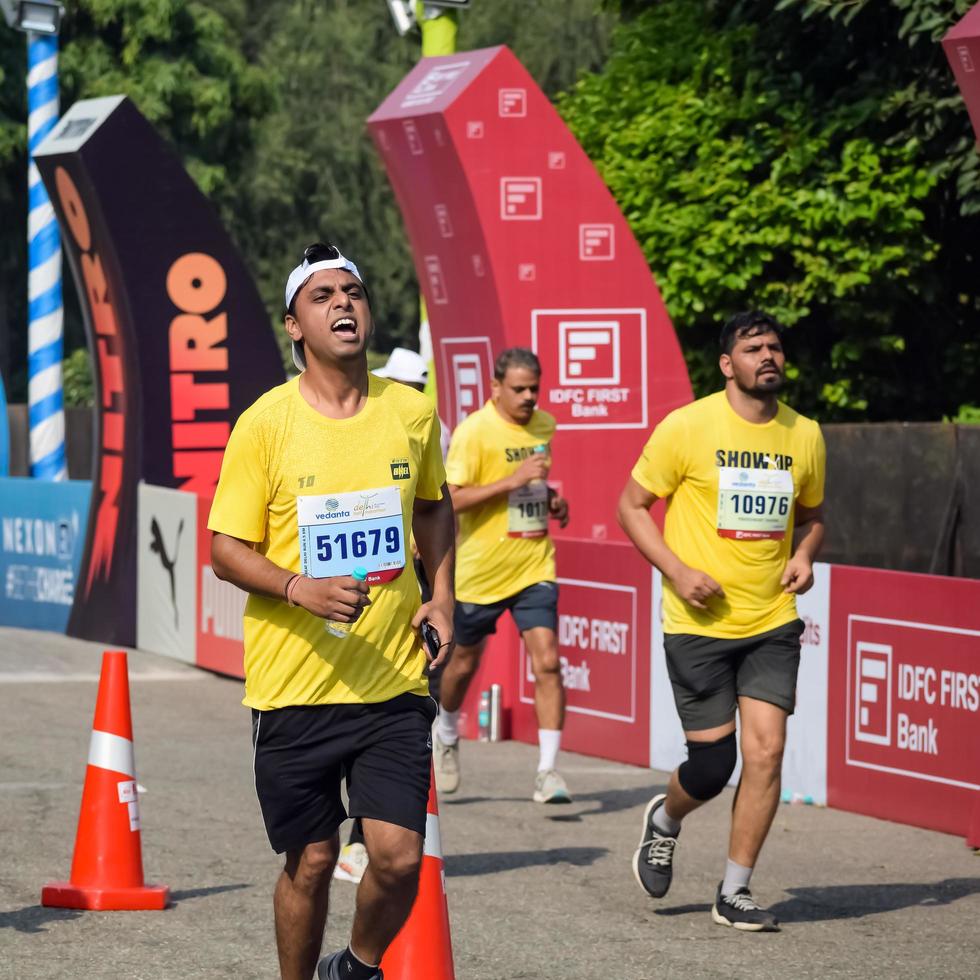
{"x": 342, "y": 630}
{"x": 541, "y": 449}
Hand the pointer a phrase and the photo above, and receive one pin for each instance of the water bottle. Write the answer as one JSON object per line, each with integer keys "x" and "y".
{"x": 483, "y": 717}
{"x": 342, "y": 630}
{"x": 493, "y": 732}
{"x": 543, "y": 450}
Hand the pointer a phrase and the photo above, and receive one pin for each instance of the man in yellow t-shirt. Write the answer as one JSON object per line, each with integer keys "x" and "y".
{"x": 743, "y": 477}
{"x": 323, "y": 480}
{"x": 496, "y": 469}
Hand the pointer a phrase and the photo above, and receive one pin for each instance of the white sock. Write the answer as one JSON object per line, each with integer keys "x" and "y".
{"x": 665, "y": 823}
{"x": 549, "y": 742}
{"x": 447, "y": 727}
{"x": 736, "y": 876}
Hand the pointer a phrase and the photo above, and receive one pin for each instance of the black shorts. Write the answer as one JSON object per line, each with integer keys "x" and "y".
{"x": 301, "y": 754}
{"x": 709, "y": 674}
{"x": 537, "y": 605}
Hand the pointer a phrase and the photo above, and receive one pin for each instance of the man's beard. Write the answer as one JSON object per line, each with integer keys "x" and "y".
{"x": 773, "y": 384}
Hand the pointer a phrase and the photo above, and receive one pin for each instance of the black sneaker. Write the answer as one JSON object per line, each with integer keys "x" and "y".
{"x": 653, "y": 859}
{"x": 742, "y": 911}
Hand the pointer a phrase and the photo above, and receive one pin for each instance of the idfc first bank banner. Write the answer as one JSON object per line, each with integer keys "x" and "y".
{"x": 904, "y": 718}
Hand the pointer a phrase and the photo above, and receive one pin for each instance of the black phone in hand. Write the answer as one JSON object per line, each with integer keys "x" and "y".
{"x": 430, "y": 637}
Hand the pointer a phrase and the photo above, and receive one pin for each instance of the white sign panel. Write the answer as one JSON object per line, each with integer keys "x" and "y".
{"x": 166, "y": 569}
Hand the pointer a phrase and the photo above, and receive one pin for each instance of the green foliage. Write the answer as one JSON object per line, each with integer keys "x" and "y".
{"x": 967, "y": 415}
{"x": 315, "y": 175}
{"x": 183, "y": 62}
{"x": 764, "y": 161}
{"x": 79, "y": 389}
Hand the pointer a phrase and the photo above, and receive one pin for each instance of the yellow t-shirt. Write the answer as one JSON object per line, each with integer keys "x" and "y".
{"x": 492, "y": 563}
{"x": 281, "y": 448}
{"x": 703, "y": 451}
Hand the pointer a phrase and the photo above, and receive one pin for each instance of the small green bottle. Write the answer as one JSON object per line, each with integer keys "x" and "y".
{"x": 342, "y": 630}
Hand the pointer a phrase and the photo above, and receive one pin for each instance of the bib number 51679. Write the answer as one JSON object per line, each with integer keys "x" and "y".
{"x": 358, "y": 544}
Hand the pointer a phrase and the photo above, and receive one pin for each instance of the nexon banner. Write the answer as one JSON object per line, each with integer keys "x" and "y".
{"x": 904, "y": 738}
{"x": 43, "y": 526}
{"x": 179, "y": 339}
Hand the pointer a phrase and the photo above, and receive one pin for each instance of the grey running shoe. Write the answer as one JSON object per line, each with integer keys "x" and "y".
{"x": 653, "y": 860}
{"x": 329, "y": 968}
{"x": 445, "y": 760}
{"x": 549, "y": 787}
{"x": 742, "y": 911}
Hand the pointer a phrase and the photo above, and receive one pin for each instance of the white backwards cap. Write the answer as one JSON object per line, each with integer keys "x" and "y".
{"x": 404, "y": 365}
{"x": 298, "y": 277}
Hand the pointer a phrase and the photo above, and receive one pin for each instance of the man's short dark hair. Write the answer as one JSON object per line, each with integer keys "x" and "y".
{"x": 519, "y": 357}
{"x": 748, "y": 324}
{"x": 321, "y": 252}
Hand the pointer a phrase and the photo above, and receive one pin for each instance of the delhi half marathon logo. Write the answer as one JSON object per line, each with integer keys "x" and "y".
{"x": 159, "y": 548}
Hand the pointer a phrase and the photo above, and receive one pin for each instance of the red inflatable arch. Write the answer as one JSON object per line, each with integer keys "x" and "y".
{"x": 517, "y": 241}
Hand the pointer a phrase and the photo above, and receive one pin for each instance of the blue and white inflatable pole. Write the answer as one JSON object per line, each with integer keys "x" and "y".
{"x": 45, "y": 340}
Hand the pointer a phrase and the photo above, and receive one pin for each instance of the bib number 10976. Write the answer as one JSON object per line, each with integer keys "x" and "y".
{"x": 358, "y": 544}
{"x": 760, "y": 504}
{"x": 754, "y": 504}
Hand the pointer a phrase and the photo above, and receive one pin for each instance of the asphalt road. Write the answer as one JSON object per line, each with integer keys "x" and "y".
{"x": 534, "y": 892}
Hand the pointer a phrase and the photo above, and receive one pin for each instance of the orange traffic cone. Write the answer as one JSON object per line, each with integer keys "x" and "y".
{"x": 107, "y": 870}
{"x": 423, "y": 949}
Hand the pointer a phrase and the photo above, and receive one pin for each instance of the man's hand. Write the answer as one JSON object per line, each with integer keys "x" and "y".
{"x": 535, "y": 467}
{"x": 798, "y": 575}
{"x": 340, "y": 598}
{"x": 558, "y": 508}
{"x": 695, "y": 587}
{"x": 440, "y": 616}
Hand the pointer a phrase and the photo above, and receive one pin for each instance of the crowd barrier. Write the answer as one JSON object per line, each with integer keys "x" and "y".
{"x": 888, "y": 701}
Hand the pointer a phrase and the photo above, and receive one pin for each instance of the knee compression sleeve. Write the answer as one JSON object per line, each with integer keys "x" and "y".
{"x": 708, "y": 768}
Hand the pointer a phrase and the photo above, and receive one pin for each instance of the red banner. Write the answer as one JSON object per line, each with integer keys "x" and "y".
{"x": 219, "y": 608}
{"x": 904, "y": 697}
{"x": 962, "y": 47}
{"x": 604, "y": 625}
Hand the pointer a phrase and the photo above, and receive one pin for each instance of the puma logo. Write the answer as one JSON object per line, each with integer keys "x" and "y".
{"x": 160, "y": 549}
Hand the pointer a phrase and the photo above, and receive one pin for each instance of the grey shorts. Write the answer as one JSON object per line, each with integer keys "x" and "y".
{"x": 708, "y": 674}
{"x": 537, "y": 605}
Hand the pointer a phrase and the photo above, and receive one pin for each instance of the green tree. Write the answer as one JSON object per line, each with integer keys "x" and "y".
{"x": 182, "y": 62}
{"x": 315, "y": 173}
{"x": 771, "y": 159}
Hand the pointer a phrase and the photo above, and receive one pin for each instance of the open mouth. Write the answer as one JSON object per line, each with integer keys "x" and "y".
{"x": 345, "y": 326}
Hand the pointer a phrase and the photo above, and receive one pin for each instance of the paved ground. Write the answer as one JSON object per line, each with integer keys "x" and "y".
{"x": 542, "y": 893}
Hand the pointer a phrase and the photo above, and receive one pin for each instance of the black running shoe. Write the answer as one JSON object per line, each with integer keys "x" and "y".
{"x": 329, "y": 968}
{"x": 653, "y": 860}
{"x": 742, "y": 911}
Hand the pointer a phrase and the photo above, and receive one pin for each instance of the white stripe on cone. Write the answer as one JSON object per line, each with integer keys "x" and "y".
{"x": 433, "y": 842}
{"x": 112, "y": 752}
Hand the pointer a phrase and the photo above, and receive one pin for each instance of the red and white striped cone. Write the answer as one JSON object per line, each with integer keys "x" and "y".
{"x": 423, "y": 950}
{"x": 107, "y": 870}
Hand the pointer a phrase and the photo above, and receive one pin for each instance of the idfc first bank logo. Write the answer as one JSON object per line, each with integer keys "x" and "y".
{"x": 914, "y": 699}
{"x": 594, "y": 366}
